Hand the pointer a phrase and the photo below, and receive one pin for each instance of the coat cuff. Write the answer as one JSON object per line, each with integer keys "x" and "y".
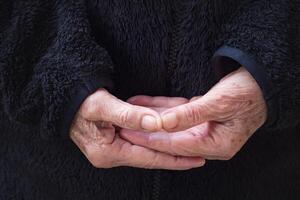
{"x": 227, "y": 59}
{"x": 78, "y": 96}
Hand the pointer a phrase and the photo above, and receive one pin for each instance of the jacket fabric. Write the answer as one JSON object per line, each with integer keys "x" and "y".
{"x": 55, "y": 53}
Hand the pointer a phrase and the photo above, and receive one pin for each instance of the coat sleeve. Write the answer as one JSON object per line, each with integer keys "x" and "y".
{"x": 264, "y": 37}
{"x": 49, "y": 63}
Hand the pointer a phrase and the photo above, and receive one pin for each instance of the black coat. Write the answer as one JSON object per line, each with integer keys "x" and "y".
{"x": 55, "y": 53}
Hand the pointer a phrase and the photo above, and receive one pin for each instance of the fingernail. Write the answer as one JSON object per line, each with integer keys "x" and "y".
{"x": 170, "y": 120}
{"x": 202, "y": 162}
{"x": 149, "y": 123}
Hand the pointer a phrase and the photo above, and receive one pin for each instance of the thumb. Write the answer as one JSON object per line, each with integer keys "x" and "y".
{"x": 186, "y": 116}
{"x": 102, "y": 106}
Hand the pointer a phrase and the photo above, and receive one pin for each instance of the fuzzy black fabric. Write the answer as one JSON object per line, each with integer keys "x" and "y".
{"x": 55, "y": 53}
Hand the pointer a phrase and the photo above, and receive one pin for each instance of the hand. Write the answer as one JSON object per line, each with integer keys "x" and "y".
{"x": 94, "y": 132}
{"x": 214, "y": 126}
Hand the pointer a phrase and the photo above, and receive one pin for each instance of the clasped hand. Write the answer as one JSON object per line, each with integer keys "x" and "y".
{"x": 170, "y": 132}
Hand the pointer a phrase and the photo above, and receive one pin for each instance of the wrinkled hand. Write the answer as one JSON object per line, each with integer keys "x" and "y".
{"x": 214, "y": 126}
{"x": 94, "y": 132}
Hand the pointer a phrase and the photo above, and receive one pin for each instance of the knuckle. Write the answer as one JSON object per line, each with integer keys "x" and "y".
{"x": 150, "y": 163}
{"x": 190, "y": 148}
{"x": 150, "y": 142}
{"x": 92, "y": 156}
{"x": 232, "y": 146}
{"x": 87, "y": 111}
{"x": 173, "y": 147}
{"x": 223, "y": 103}
{"x": 153, "y": 162}
{"x": 96, "y": 158}
{"x": 124, "y": 117}
{"x": 224, "y": 149}
{"x": 91, "y": 104}
{"x": 95, "y": 163}
{"x": 192, "y": 114}
{"x": 228, "y": 154}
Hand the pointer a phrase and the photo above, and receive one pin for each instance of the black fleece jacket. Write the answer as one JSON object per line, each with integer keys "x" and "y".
{"x": 55, "y": 53}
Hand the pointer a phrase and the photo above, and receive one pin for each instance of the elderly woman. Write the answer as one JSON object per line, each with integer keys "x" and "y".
{"x": 128, "y": 99}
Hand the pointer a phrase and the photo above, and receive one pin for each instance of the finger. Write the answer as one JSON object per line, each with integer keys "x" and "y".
{"x": 208, "y": 140}
{"x": 122, "y": 153}
{"x": 159, "y": 141}
{"x": 193, "y": 142}
{"x": 103, "y": 106}
{"x": 189, "y": 115}
{"x": 160, "y": 101}
{"x": 178, "y": 143}
{"x": 90, "y": 132}
{"x": 137, "y": 156}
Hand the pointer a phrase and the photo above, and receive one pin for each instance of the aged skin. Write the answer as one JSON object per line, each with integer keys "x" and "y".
{"x": 177, "y": 133}
{"x": 214, "y": 126}
{"x": 94, "y": 132}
